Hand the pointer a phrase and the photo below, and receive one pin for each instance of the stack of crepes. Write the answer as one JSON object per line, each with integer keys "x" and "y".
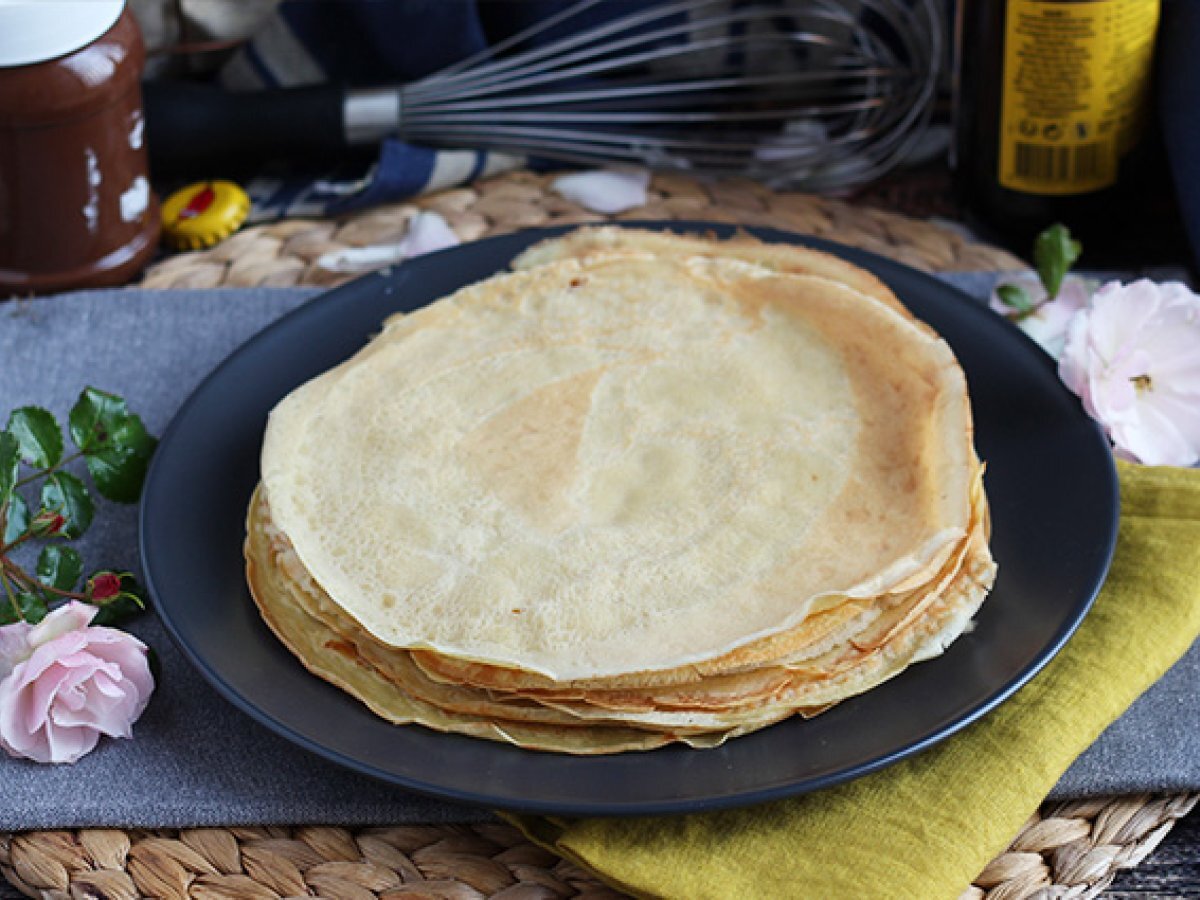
{"x": 645, "y": 488}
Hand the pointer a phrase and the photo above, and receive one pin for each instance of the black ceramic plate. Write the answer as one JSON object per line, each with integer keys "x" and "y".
{"x": 1050, "y": 481}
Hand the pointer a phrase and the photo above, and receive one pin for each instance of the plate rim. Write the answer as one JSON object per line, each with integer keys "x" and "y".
{"x": 877, "y": 265}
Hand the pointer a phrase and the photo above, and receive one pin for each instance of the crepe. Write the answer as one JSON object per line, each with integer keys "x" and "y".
{"x": 325, "y": 655}
{"x": 647, "y": 488}
{"x": 702, "y": 713}
{"x": 590, "y": 469}
{"x": 608, "y": 240}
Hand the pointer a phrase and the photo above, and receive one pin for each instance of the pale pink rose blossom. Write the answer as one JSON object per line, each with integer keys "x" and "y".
{"x": 1133, "y": 357}
{"x": 64, "y": 683}
{"x": 1048, "y": 323}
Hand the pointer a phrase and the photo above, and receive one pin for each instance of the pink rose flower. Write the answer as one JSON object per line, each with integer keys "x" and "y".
{"x": 1049, "y": 321}
{"x": 63, "y": 683}
{"x": 1133, "y": 357}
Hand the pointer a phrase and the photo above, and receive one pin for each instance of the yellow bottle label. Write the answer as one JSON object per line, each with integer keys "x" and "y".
{"x": 1074, "y": 88}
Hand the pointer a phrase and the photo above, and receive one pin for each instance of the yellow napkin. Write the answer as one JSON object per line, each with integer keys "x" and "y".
{"x": 925, "y": 827}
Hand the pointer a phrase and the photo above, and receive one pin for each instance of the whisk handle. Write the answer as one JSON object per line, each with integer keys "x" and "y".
{"x": 190, "y": 125}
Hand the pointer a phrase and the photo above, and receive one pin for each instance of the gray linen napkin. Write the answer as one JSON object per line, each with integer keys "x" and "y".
{"x": 195, "y": 759}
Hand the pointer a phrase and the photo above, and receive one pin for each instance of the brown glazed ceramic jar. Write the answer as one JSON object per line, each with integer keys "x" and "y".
{"x": 76, "y": 209}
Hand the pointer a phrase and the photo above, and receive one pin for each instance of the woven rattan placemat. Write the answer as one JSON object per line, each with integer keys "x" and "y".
{"x": 291, "y": 252}
{"x": 1070, "y": 849}
{"x": 1067, "y": 850}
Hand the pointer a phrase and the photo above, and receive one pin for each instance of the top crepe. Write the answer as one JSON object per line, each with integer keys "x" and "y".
{"x": 624, "y": 464}
{"x": 607, "y": 240}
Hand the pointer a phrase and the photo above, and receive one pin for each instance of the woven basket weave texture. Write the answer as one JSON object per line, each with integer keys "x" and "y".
{"x": 297, "y": 251}
{"x": 1067, "y": 850}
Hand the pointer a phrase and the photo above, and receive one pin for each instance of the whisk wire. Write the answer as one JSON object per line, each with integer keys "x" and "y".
{"x": 539, "y": 67}
{"x": 493, "y": 60}
{"x": 815, "y": 93}
{"x": 860, "y": 80}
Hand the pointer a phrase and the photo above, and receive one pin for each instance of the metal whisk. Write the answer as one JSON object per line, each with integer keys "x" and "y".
{"x": 813, "y": 93}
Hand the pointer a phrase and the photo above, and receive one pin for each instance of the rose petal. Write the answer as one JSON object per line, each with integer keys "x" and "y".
{"x": 56, "y": 703}
{"x": 71, "y": 694}
{"x": 1182, "y": 409}
{"x": 1075, "y": 293}
{"x": 1072, "y": 365}
{"x": 103, "y": 709}
{"x": 127, "y": 652}
{"x": 1049, "y": 322}
{"x": 108, "y": 686}
{"x": 360, "y": 259}
{"x": 39, "y": 695}
{"x": 1152, "y": 437}
{"x": 71, "y": 616}
{"x": 116, "y": 715}
{"x": 14, "y": 646}
{"x": 30, "y": 746}
{"x": 1165, "y": 432}
{"x": 1174, "y": 291}
{"x": 1175, "y": 337}
{"x": 427, "y": 232}
{"x": 9, "y": 713}
{"x": 68, "y": 745}
{"x": 1120, "y": 313}
{"x": 1181, "y": 371}
{"x": 605, "y": 191}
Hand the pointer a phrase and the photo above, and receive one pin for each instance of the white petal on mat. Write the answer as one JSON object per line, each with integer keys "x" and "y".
{"x": 361, "y": 259}
{"x": 603, "y": 191}
{"x": 427, "y": 231}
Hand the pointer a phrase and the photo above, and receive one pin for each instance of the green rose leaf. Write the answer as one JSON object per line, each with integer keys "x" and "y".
{"x": 8, "y": 615}
{"x": 37, "y": 434}
{"x": 10, "y": 462}
{"x": 95, "y": 417}
{"x": 117, "y": 611}
{"x": 16, "y": 519}
{"x": 33, "y": 607}
{"x": 114, "y": 442}
{"x": 64, "y": 493}
{"x": 1054, "y": 252}
{"x": 1015, "y": 297}
{"x": 59, "y": 567}
{"x": 120, "y": 467}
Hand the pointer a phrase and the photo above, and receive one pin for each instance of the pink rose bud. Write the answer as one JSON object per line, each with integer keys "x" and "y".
{"x": 105, "y": 586}
{"x": 67, "y": 684}
{"x": 46, "y": 523}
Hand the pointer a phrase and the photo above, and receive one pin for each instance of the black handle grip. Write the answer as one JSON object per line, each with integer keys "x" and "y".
{"x": 197, "y": 128}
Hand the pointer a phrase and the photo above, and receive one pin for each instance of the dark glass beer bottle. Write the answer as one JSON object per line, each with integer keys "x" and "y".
{"x": 1051, "y": 111}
